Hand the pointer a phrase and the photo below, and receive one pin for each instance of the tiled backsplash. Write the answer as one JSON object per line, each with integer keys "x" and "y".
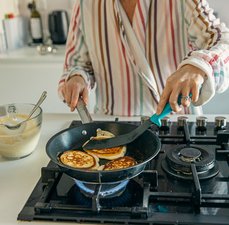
{"x": 45, "y": 7}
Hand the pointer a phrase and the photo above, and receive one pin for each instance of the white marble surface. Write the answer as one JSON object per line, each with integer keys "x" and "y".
{"x": 18, "y": 177}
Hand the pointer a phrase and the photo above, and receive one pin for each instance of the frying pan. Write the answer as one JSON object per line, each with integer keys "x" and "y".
{"x": 143, "y": 149}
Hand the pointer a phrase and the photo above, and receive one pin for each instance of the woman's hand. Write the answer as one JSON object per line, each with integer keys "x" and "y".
{"x": 188, "y": 79}
{"x": 73, "y": 89}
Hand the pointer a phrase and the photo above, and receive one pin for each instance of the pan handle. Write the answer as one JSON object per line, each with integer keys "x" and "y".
{"x": 83, "y": 112}
{"x": 156, "y": 119}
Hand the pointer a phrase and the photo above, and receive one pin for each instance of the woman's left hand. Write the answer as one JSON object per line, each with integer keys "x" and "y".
{"x": 185, "y": 81}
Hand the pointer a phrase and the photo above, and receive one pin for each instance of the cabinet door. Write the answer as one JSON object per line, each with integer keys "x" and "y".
{"x": 24, "y": 82}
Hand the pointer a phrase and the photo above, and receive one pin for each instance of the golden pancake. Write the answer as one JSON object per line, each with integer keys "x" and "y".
{"x": 104, "y": 133}
{"x": 78, "y": 159}
{"x": 107, "y": 153}
{"x": 121, "y": 163}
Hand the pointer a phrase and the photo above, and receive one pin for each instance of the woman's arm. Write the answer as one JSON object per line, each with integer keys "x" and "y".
{"x": 77, "y": 60}
{"x": 209, "y": 40}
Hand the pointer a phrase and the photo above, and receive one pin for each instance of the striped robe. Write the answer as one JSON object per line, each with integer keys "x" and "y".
{"x": 171, "y": 33}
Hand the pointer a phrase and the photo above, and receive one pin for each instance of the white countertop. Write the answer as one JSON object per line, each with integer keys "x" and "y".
{"x": 19, "y": 177}
{"x": 31, "y": 55}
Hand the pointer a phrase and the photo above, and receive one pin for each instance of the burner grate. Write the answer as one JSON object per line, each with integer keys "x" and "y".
{"x": 127, "y": 199}
{"x": 178, "y": 162}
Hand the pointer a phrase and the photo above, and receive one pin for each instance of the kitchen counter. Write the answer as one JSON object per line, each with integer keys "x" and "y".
{"x": 19, "y": 177}
{"x": 31, "y": 55}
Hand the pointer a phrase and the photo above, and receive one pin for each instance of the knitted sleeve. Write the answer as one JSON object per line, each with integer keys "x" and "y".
{"x": 209, "y": 43}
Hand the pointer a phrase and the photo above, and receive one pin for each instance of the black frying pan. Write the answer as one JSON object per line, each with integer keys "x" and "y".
{"x": 143, "y": 149}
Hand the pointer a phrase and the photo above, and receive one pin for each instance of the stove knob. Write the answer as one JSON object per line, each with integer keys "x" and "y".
{"x": 201, "y": 123}
{"x": 165, "y": 124}
{"x": 181, "y": 120}
{"x": 220, "y": 123}
{"x": 144, "y": 118}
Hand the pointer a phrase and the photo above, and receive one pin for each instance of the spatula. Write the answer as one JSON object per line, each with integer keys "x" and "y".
{"x": 131, "y": 136}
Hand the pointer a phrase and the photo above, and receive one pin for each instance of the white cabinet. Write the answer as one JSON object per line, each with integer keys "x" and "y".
{"x": 24, "y": 74}
{"x": 25, "y": 82}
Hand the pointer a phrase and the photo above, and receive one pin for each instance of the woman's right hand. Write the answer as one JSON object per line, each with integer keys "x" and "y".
{"x": 73, "y": 89}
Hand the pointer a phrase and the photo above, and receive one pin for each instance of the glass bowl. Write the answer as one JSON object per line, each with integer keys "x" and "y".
{"x": 20, "y": 142}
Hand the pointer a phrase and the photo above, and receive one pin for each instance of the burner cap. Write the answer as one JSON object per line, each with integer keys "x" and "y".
{"x": 189, "y": 154}
{"x": 178, "y": 162}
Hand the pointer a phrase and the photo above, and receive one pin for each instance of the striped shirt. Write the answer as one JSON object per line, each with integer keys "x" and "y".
{"x": 171, "y": 33}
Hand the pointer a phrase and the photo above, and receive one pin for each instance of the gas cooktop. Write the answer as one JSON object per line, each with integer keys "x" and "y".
{"x": 187, "y": 183}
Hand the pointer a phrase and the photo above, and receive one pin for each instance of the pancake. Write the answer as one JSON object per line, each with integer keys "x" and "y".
{"x": 80, "y": 160}
{"x": 106, "y": 153}
{"x": 104, "y": 133}
{"x": 121, "y": 163}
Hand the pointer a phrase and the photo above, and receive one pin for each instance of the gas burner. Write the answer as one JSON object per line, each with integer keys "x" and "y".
{"x": 106, "y": 190}
{"x": 178, "y": 163}
{"x": 130, "y": 195}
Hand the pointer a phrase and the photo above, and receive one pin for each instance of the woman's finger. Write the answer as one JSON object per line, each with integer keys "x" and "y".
{"x": 195, "y": 93}
{"x": 173, "y": 100}
{"x": 85, "y": 95}
{"x": 67, "y": 95}
{"x": 163, "y": 100}
{"x": 185, "y": 97}
{"x": 74, "y": 99}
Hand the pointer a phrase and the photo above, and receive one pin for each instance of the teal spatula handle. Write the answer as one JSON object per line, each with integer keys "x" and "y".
{"x": 156, "y": 119}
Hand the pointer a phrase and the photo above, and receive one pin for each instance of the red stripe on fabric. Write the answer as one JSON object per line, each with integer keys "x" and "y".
{"x": 215, "y": 58}
{"x": 107, "y": 50}
{"x": 77, "y": 14}
{"x": 67, "y": 54}
{"x": 100, "y": 17}
{"x": 226, "y": 60}
{"x": 73, "y": 31}
{"x": 128, "y": 82}
{"x": 141, "y": 15}
{"x": 122, "y": 70}
{"x": 172, "y": 31}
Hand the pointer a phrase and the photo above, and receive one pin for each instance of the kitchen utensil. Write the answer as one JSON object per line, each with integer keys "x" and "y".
{"x": 58, "y": 23}
{"x": 143, "y": 149}
{"x": 83, "y": 112}
{"x": 131, "y": 136}
{"x": 18, "y": 125}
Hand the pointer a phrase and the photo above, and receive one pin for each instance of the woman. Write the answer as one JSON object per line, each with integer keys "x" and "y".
{"x": 144, "y": 53}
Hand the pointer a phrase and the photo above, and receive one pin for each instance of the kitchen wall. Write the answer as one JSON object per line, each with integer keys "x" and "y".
{"x": 45, "y": 7}
{"x": 8, "y": 6}
{"x": 221, "y": 8}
